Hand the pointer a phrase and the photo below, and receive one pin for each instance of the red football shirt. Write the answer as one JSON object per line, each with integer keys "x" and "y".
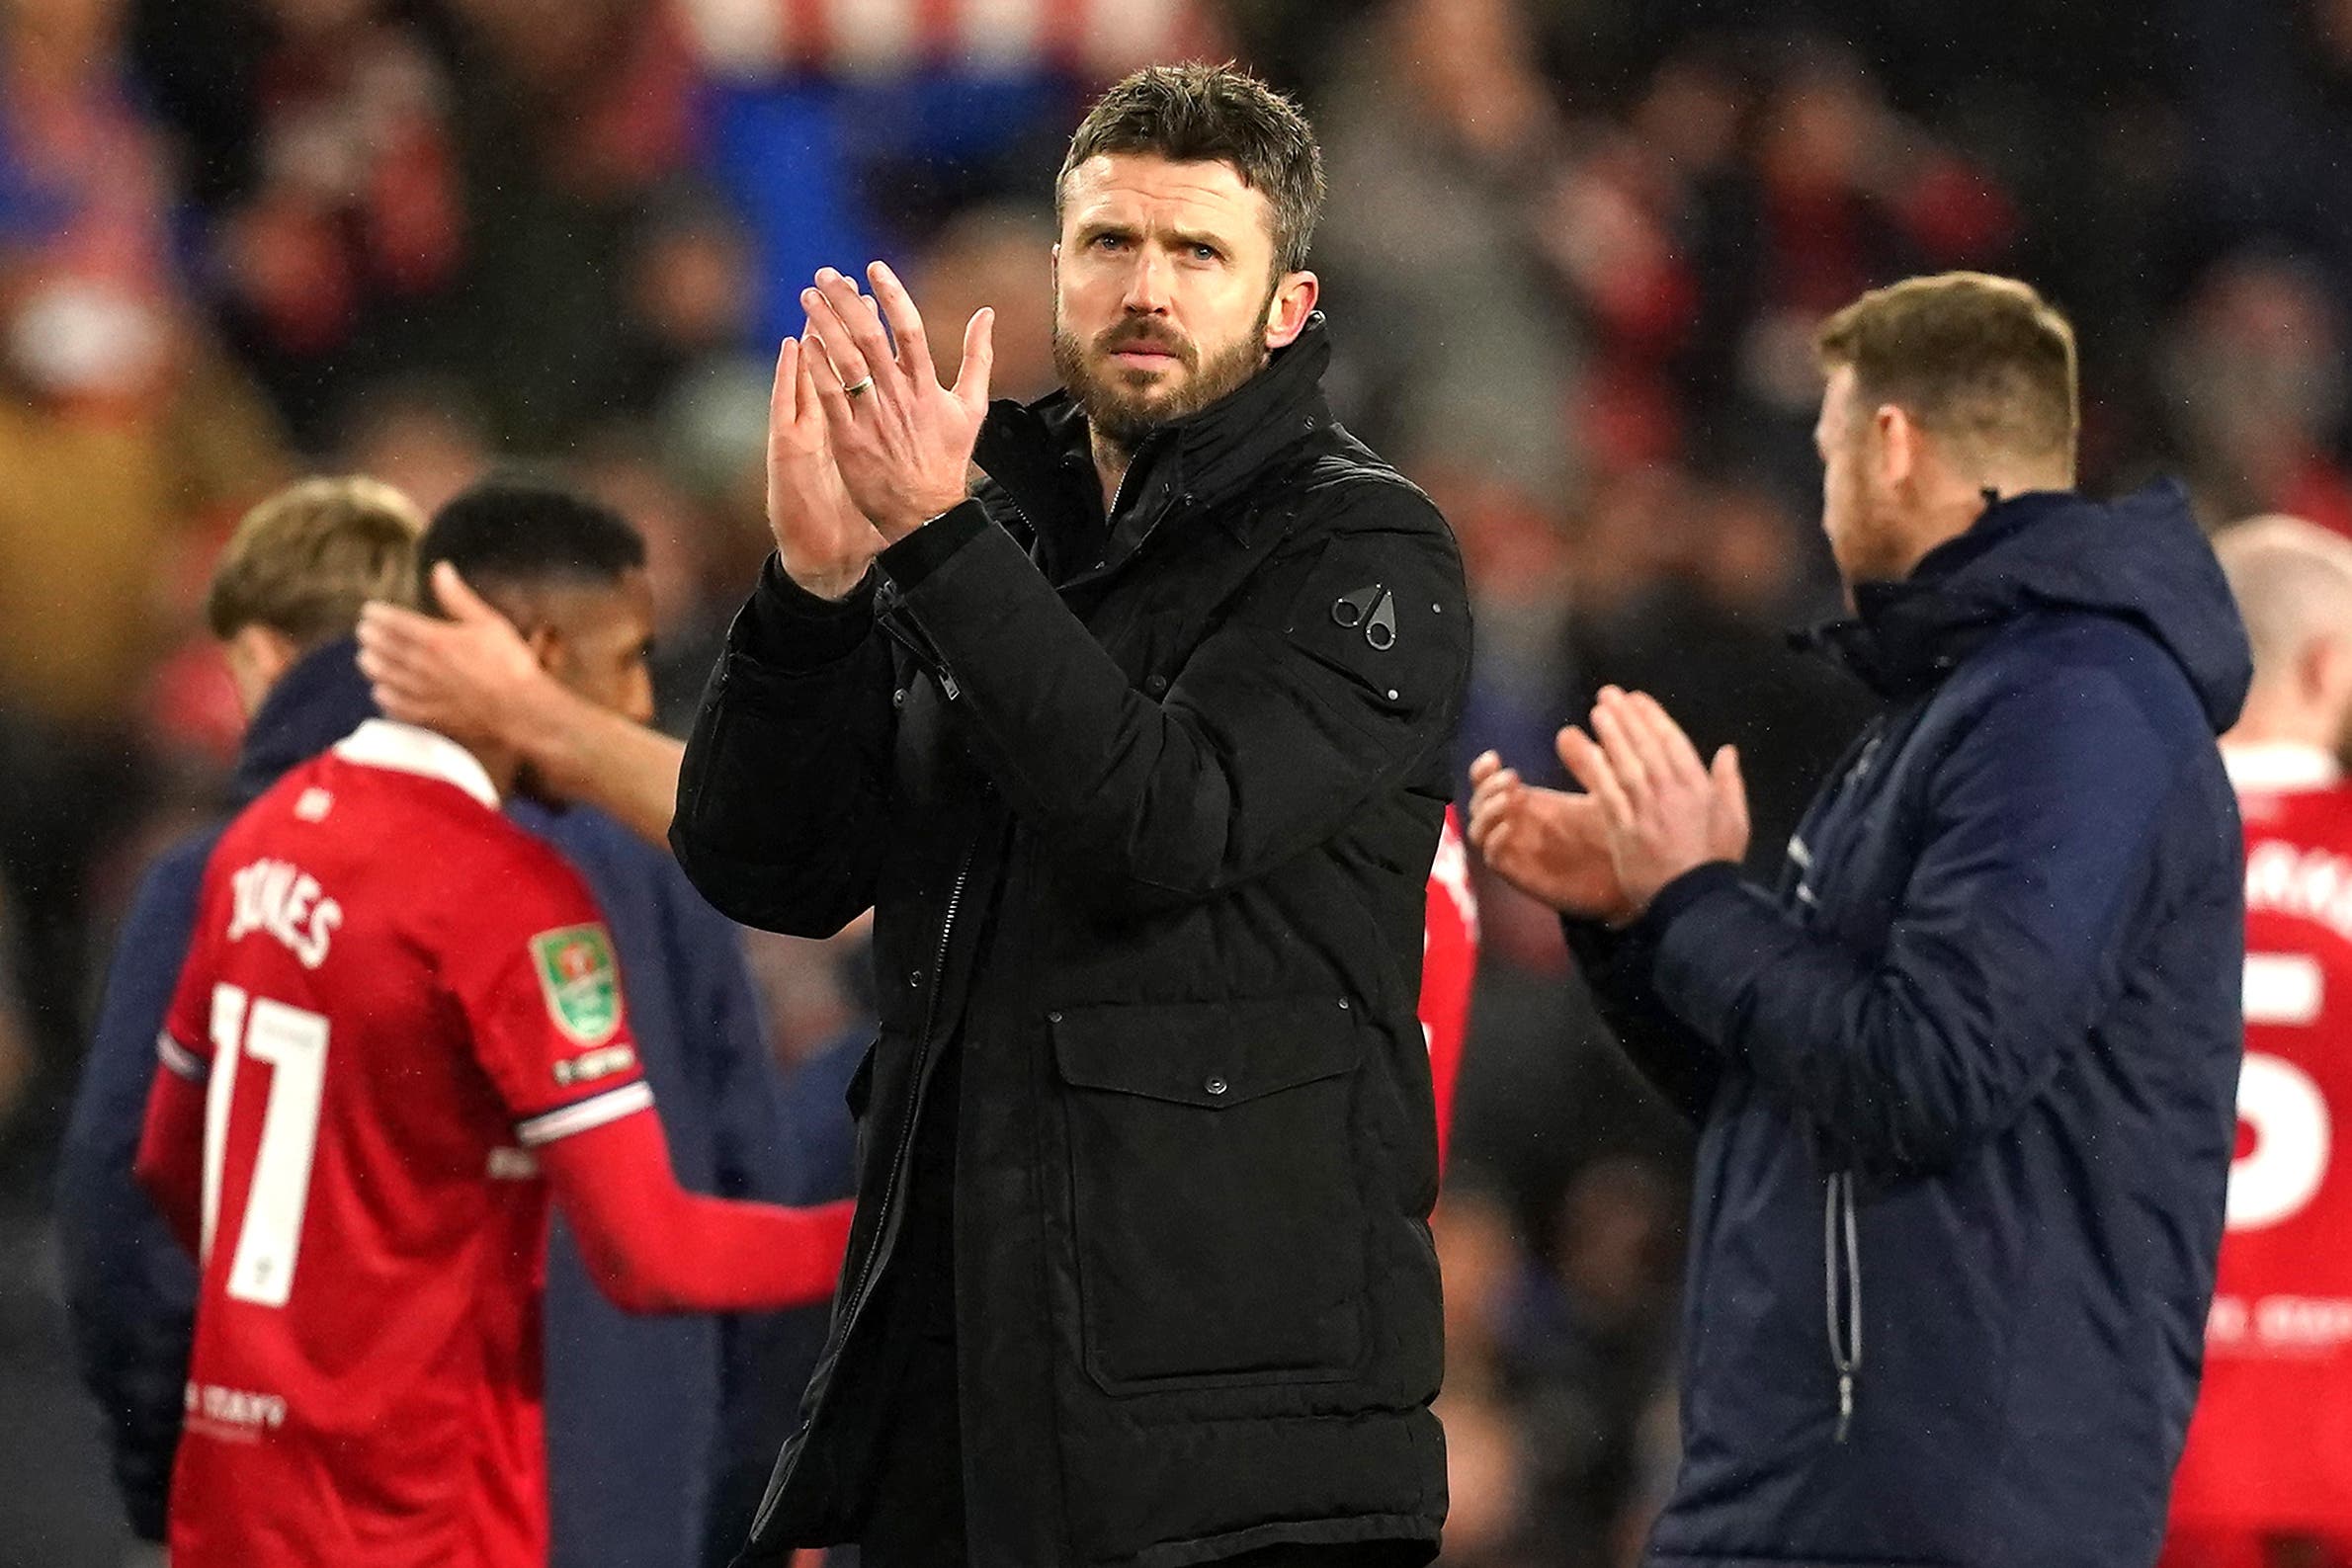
{"x": 2270, "y": 1448}
{"x": 1449, "y": 963}
{"x": 392, "y": 996}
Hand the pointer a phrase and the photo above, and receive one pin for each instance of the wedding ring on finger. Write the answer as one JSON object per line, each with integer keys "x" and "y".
{"x": 859, "y": 385}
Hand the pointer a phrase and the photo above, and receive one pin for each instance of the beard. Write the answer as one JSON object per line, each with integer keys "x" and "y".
{"x": 1123, "y": 406}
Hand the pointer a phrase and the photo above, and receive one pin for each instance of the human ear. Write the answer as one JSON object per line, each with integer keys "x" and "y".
{"x": 2325, "y": 671}
{"x": 548, "y": 647}
{"x": 1293, "y": 302}
{"x": 1897, "y": 452}
{"x": 258, "y": 657}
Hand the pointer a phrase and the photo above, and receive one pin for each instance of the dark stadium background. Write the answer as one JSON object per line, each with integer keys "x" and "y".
{"x": 1573, "y": 253}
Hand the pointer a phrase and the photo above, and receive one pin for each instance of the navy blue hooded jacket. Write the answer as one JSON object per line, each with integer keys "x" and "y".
{"x": 633, "y": 1404}
{"x": 1967, "y": 1081}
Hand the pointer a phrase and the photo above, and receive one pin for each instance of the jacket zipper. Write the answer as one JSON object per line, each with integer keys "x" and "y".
{"x": 899, "y": 1159}
{"x": 909, "y": 634}
{"x": 1841, "y": 1241}
{"x": 906, "y": 1131}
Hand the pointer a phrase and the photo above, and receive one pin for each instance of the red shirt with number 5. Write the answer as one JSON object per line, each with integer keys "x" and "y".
{"x": 2270, "y": 1448}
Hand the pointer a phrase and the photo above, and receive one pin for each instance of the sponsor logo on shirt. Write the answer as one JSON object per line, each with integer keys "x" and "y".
{"x": 580, "y": 981}
{"x": 2280, "y": 1325}
{"x": 2311, "y": 885}
{"x": 589, "y": 1066}
{"x": 234, "y": 1412}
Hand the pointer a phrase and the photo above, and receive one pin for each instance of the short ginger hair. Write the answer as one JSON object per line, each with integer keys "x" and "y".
{"x": 1980, "y": 361}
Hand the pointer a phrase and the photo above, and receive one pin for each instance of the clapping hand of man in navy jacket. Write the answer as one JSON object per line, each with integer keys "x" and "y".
{"x": 1640, "y": 823}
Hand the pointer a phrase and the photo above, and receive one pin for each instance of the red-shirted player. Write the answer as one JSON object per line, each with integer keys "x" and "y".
{"x": 1449, "y": 963}
{"x": 400, "y": 1027}
{"x": 2266, "y": 1479}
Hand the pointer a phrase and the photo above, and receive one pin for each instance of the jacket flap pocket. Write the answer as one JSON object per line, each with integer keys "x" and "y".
{"x": 1211, "y": 1054}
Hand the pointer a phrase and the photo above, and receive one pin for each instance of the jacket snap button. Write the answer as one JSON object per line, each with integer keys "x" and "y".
{"x": 1053, "y": 1018}
{"x": 1215, "y": 1086}
{"x": 915, "y": 978}
{"x": 1343, "y": 1004}
{"x": 898, "y": 697}
{"x": 1157, "y": 685}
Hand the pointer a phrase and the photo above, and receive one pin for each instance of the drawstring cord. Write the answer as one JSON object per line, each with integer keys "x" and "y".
{"x": 1845, "y": 1337}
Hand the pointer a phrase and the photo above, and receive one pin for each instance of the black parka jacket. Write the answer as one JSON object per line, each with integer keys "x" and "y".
{"x": 1144, "y": 807}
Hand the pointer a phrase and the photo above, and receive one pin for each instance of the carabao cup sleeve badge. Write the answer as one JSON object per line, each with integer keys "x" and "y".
{"x": 580, "y": 980}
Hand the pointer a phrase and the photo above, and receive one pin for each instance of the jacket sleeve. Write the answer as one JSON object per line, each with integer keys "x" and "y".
{"x": 2042, "y": 829}
{"x": 130, "y": 1289}
{"x": 1669, "y": 1053}
{"x": 782, "y": 798}
{"x": 1280, "y": 726}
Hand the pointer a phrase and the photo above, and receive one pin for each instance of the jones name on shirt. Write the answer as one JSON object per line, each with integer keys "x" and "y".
{"x": 285, "y": 901}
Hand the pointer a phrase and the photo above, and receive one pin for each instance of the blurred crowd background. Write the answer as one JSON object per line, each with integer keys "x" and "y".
{"x": 1574, "y": 255}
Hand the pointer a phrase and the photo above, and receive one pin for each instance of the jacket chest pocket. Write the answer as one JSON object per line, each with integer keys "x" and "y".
{"x": 1218, "y": 1215}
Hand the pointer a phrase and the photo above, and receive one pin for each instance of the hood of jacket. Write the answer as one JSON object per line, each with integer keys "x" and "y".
{"x": 2140, "y": 558}
{"x": 315, "y": 704}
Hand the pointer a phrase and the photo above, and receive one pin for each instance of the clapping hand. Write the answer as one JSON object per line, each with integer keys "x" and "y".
{"x": 822, "y": 539}
{"x": 1664, "y": 810}
{"x": 1550, "y": 845}
{"x": 901, "y": 443}
{"x": 1650, "y": 812}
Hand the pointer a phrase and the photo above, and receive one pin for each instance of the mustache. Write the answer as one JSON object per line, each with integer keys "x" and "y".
{"x": 1145, "y": 335}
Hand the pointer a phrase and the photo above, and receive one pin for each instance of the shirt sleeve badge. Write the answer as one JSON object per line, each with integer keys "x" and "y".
{"x": 580, "y": 980}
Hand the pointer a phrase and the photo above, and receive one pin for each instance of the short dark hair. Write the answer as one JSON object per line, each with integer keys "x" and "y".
{"x": 1974, "y": 358}
{"x": 1213, "y": 114}
{"x": 519, "y": 531}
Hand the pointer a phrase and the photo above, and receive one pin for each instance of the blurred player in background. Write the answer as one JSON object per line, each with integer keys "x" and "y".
{"x": 284, "y": 600}
{"x": 400, "y": 1028}
{"x": 1448, "y": 968}
{"x": 567, "y": 581}
{"x": 2266, "y": 1480}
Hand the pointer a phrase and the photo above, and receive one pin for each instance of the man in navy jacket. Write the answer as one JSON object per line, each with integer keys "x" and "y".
{"x": 1967, "y": 1080}
{"x": 284, "y": 601}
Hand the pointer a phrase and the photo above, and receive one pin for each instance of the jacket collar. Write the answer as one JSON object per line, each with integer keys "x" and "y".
{"x": 1039, "y": 452}
{"x": 2280, "y": 765}
{"x": 315, "y": 704}
{"x": 406, "y": 748}
{"x": 2140, "y": 558}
